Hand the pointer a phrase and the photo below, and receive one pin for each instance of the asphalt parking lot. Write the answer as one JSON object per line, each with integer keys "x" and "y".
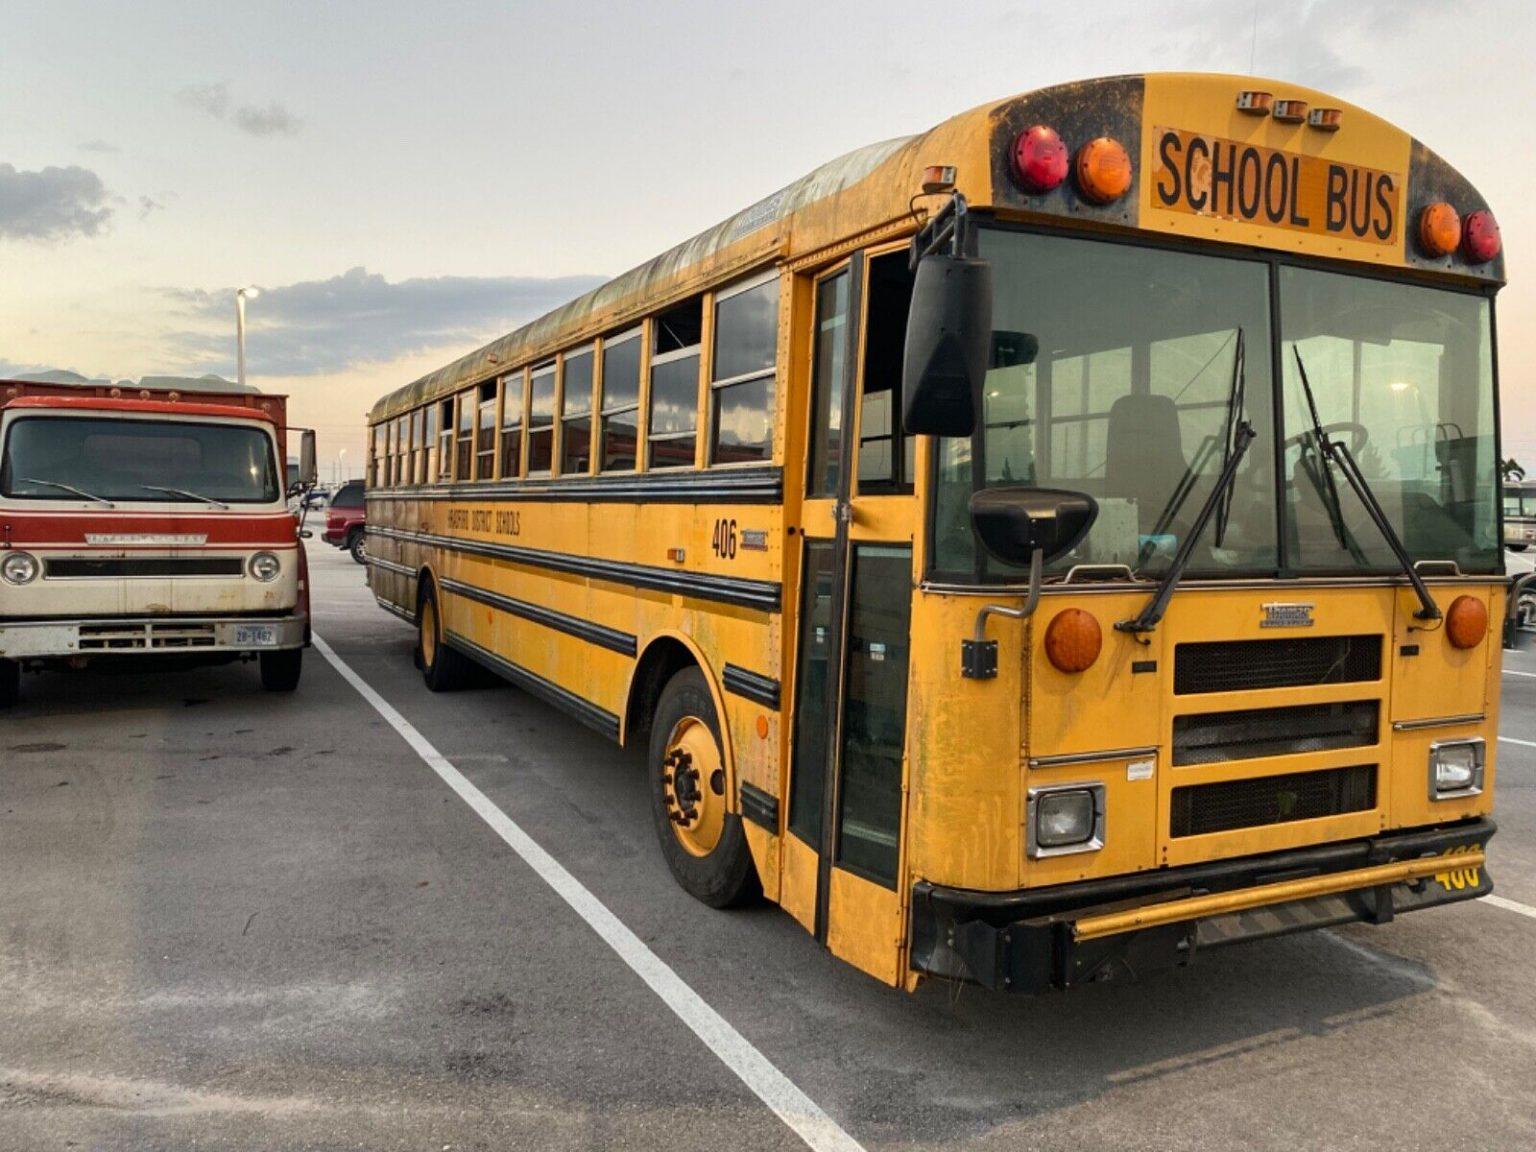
{"x": 234, "y": 920}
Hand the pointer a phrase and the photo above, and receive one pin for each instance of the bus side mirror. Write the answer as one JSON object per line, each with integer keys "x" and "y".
{"x": 949, "y": 341}
{"x": 309, "y": 470}
{"x": 1015, "y": 523}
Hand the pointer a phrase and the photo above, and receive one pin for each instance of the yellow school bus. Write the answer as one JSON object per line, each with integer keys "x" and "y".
{"x": 1029, "y": 552}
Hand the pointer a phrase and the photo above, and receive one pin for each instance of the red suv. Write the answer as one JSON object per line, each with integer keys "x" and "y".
{"x": 344, "y": 519}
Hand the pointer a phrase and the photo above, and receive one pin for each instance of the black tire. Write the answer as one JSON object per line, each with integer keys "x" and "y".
{"x": 10, "y": 683}
{"x": 357, "y": 545}
{"x": 1516, "y": 547}
{"x": 443, "y": 668}
{"x": 280, "y": 670}
{"x": 726, "y": 877}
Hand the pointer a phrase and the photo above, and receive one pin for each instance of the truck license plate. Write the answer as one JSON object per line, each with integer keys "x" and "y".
{"x": 256, "y": 635}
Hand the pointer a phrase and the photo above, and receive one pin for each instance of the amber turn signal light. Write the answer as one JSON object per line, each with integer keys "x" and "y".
{"x": 1073, "y": 640}
{"x": 1103, "y": 170}
{"x": 1467, "y": 622}
{"x": 1439, "y": 229}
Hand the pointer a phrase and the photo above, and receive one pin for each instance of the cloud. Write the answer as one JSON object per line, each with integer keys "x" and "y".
{"x": 51, "y": 204}
{"x": 99, "y": 145}
{"x": 215, "y": 101}
{"x": 148, "y": 204}
{"x": 325, "y": 326}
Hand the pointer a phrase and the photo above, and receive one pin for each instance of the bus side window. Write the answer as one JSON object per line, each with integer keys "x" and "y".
{"x": 886, "y": 456}
{"x": 674, "y": 415}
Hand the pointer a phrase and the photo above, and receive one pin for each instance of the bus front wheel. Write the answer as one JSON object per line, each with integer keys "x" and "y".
{"x": 703, "y": 842}
{"x": 10, "y": 683}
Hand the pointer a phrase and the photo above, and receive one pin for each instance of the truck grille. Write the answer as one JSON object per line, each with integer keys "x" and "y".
{"x": 85, "y": 568}
{"x": 1215, "y": 737}
{"x": 1199, "y": 809}
{"x": 169, "y": 636}
{"x": 1294, "y": 662}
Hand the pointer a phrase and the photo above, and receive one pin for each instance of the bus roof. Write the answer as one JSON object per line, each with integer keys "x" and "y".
{"x": 866, "y": 197}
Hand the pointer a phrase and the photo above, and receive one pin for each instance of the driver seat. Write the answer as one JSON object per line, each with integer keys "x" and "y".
{"x": 1145, "y": 454}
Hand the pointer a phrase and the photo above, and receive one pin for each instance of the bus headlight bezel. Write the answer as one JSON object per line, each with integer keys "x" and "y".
{"x": 264, "y": 566}
{"x": 19, "y": 568}
{"x": 1062, "y": 819}
{"x": 1456, "y": 768}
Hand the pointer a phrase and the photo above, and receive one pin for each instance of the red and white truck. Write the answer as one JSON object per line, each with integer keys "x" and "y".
{"x": 142, "y": 522}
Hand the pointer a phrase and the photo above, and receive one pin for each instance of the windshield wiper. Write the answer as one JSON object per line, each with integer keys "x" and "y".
{"x": 184, "y": 492}
{"x": 69, "y": 488}
{"x": 1235, "y": 439}
{"x": 1334, "y": 453}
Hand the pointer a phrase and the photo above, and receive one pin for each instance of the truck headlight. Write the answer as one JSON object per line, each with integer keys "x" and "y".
{"x": 1456, "y": 768}
{"x": 264, "y": 566}
{"x": 1064, "y": 818}
{"x": 19, "y": 568}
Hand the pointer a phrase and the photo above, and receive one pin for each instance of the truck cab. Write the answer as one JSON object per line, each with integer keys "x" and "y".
{"x": 144, "y": 526}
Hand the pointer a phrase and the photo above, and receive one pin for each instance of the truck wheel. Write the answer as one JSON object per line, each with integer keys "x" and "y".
{"x": 444, "y": 669}
{"x": 10, "y": 683}
{"x": 356, "y": 546}
{"x": 280, "y": 670}
{"x": 704, "y": 844}
{"x": 1516, "y": 547}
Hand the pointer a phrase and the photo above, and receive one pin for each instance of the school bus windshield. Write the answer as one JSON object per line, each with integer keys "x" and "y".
{"x": 1120, "y": 370}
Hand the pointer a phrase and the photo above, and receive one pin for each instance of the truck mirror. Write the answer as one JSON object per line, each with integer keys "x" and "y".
{"x": 309, "y": 470}
{"x": 949, "y": 341}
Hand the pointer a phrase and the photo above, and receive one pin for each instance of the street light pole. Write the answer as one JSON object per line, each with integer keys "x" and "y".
{"x": 241, "y": 296}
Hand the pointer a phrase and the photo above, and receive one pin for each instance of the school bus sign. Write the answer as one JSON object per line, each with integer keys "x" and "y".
{"x": 1205, "y": 175}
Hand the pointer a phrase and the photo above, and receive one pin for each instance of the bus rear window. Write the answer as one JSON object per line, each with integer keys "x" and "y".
{"x": 61, "y": 458}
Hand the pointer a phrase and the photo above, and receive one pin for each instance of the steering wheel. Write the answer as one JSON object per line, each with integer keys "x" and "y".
{"x": 1359, "y": 434}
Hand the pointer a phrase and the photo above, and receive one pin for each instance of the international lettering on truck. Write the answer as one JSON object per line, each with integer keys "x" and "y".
{"x": 141, "y": 525}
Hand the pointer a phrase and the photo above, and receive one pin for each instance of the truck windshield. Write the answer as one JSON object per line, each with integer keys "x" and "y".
{"x": 115, "y": 459}
{"x": 1112, "y": 371}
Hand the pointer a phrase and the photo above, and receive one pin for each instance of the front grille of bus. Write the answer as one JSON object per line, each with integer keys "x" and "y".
{"x": 1292, "y": 662}
{"x": 1199, "y": 809}
{"x": 146, "y": 566}
{"x": 1215, "y": 737}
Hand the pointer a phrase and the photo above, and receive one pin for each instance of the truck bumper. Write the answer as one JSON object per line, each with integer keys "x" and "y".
{"x": 128, "y": 635}
{"x": 1126, "y": 926}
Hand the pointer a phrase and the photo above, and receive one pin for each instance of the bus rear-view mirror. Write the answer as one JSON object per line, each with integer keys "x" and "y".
{"x": 1015, "y": 522}
{"x": 949, "y": 342}
{"x": 309, "y": 469}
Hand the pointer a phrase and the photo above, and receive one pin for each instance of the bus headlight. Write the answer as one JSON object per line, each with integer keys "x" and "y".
{"x": 1065, "y": 818}
{"x": 264, "y": 566}
{"x": 1456, "y": 768}
{"x": 19, "y": 568}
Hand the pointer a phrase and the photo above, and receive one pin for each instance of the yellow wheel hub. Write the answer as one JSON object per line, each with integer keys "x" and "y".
{"x": 428, "y": 624}
{"x": 693, "y": 779}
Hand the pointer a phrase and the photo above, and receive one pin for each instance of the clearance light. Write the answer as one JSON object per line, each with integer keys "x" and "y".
{"x": 1290, "y": 111}
{"x": 1466, "y": 623}
{"x": 1255, "y": 103}
{"x": 1039, "y": 159}
{"x": 1480, "y": 237}
{"x": 1103, "y": 170}
{"x": 1325, "y": 119}
{"x": 1439, "y": 229}
{"x": 1073, "y": 640}
{"x": 19, "y": 568}
{"x": 938, "y": 178}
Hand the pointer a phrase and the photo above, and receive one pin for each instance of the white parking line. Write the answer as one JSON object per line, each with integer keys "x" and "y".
{"x": 1522, "y": 743}
{"x": 1512, "y": 672}
{"x": 1510, "y": 906}
{"x": 736, "y": 1052}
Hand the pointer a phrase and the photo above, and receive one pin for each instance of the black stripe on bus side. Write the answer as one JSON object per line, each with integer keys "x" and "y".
{"x": 759, "y": 807}
{"x": 760, "y": 594}
{"x": 535, "y": 685}
{"x": 396, "y": 610}
{"x": 749, "y": 685}
{"x": 736, "y": 486}
{"x": 610, "y": 638}
{"x": 390, "y": 566}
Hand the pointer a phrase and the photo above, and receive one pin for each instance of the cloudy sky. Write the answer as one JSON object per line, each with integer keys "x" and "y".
{"x": 405, "y": 180}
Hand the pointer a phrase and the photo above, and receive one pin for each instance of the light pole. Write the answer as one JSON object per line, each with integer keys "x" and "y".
{"x": 341, "y": 474}
{"x": 241, "y": 296}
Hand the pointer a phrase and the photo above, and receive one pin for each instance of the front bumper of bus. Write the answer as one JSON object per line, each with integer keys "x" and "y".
{"x": 1126, "y": 926}
{"x": 164, "y": 635}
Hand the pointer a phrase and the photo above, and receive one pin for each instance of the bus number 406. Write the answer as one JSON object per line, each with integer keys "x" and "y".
{"x": 724, "y": 542}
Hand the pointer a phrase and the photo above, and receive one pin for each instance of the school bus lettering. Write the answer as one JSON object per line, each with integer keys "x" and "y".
{"x": 1209, "y": 176}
